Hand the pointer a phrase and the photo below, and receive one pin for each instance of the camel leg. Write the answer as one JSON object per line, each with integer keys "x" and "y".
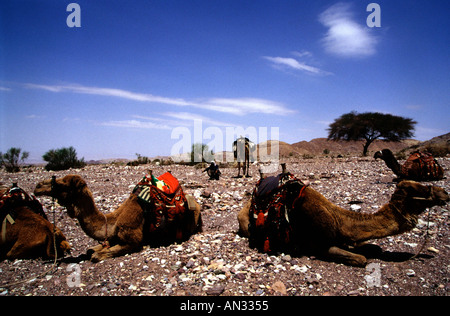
{"x": 248, "y": 167}
{"x": 94, "y": 249}
{"x": 244, "y": 220}
{"x": 22, "y": 250}
{"x": 18, "y": 251}
{"x": 239, "y": 169}
{"x": 340, "y": 255}
{"x": 111, "y": 252}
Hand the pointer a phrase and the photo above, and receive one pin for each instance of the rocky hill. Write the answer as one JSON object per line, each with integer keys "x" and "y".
{"x": 323, "y": 146}
{"x": 319, "y": 147}
{"x": 439, "y": 146}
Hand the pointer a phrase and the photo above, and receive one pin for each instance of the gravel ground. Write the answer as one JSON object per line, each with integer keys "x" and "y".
{"x": 218, "y": 261}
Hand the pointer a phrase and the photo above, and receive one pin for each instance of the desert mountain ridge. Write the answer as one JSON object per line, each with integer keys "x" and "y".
{"x": 323, "y": 147}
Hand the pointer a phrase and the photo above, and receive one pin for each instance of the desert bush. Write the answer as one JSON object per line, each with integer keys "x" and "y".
{"x": 62, "y": 159}
{"x": 12, "y": 158}
{"x": 141, "y": 160}
{"x": 308, "y": 156}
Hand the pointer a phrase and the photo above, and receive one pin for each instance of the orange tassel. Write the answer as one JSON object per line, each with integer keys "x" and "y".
{"x": 260, "y": 220}
{"x": 267, "y": 245}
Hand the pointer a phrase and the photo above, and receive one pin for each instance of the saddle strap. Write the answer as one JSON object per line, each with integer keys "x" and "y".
{"x": 11, "y": 221}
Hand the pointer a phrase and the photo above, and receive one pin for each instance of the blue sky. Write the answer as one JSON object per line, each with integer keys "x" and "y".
{"x": 136, "y": 71}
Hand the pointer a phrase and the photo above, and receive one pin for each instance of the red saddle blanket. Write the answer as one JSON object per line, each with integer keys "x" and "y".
{"x": 272, "y": 200}
{"x": 16, "y": 197}
{"x": 428, "y": 167}
{"x": 164, "y": 203}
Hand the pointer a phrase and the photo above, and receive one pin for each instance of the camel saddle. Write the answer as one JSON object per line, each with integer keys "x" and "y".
{"x": 428, "y": 166}
{"x": 272, "y": 200}
{"x": 163, "y": 201}
{"x": 13, "y": 199}
{"x": 16, "y": 197}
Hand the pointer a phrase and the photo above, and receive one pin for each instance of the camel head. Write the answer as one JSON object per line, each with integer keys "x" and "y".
{"x": 417, "y": 197}
{"x": 383, "y": 154}
{"x": 66, "y": 191}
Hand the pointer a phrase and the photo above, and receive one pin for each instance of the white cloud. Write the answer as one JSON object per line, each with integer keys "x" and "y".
{"x": 345, "y": 37}
{"x": 235, "y": 106}
{"x": 184, "y": 116}
{"x": 142, "y": 97}
{"x": 136, "y": 124}
{"x": 295, "y": 64}
{"x": 243, "y": 106}
{"x": 34, "y": 116}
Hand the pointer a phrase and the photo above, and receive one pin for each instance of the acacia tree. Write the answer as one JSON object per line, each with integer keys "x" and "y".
{"x": 370, "y": 126}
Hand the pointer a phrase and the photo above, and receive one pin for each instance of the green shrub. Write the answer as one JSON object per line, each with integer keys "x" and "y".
{"x": 141, "y": 160}
{"x": 11, "y": 159}
{"x": 62, "y": 159}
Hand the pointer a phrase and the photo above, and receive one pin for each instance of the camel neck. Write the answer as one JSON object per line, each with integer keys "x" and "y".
{"x": 393, "y": 164}
{"x": 91, "y": 220}
{"x": 388, "y": 221}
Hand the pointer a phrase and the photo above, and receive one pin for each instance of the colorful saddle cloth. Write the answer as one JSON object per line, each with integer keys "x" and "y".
{"x": 428, "y": 167}
{"x": 163, "y": 201}
{"x": 272, "y": 200}
{"x": 16, "y": 197}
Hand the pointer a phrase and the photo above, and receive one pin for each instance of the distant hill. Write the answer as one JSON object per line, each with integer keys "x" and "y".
{"x": 439, "y": 146}
{"x": 323, "y": 146}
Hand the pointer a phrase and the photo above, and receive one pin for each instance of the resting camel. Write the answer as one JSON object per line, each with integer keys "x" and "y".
{"x": 27, "y": 234}
{"x": 419, "y": 166}
{"x": 243, "y": 150}
{"x": 123, "y": 231}
{"x": 326, "y": 230}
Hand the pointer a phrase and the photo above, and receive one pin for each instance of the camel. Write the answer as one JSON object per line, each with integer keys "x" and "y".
{"x": 419, "y": 166}
{"x": 325, "y": 230}
{"x": 243, "y": 150}
{"x": 125, "y": 230}
{"x": 26, "y": 233}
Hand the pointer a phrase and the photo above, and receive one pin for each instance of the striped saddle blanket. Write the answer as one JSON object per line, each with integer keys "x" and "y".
{"x": 163, "y": 201}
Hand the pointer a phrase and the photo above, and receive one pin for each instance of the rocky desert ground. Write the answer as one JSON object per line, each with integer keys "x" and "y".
{"x": 218, "y": 261}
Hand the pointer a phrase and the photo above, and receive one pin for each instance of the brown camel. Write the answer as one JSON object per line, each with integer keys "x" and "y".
{"x": 321, "y": 228}
{"x": 25, "y": 231}
{"x": 243, "y": 150}
{"x": 126, "y": 229}
{"x": 419, "y": 166}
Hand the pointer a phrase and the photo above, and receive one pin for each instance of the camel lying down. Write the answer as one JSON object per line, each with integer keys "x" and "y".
{"x": 323, "y": 229}
{"x": 31, "y": 236}
{"x": 129, "y": 227}
{"x": 27, "y": 234}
